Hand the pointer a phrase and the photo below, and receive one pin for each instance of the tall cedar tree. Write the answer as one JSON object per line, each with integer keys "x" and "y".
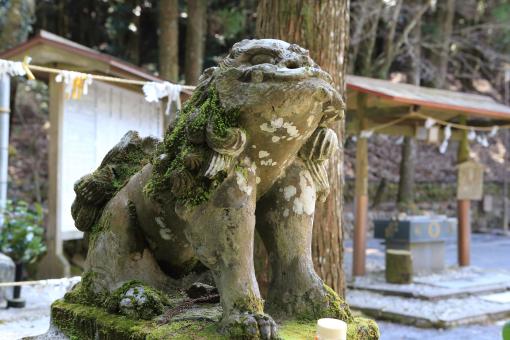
{"x": 322, "y": 26}
{"x": 169, "y": 40}
{"x": 195, "y": 40}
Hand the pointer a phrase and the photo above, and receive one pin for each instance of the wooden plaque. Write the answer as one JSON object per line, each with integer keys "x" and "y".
{"x": 470, "y": 181}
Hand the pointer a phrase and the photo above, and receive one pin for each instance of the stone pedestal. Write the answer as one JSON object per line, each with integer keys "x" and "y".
{"x": 423, "y": 236}
{"x": 7, "y": 271}
{"x": 78, "y": 321}
{"x": 427, "y": 257}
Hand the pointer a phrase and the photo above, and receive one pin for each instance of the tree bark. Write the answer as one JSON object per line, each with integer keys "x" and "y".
{"x": 368, "y": 44}
{"x": 169, "y": 40}
{"x": 16, "y": 23}
{"x": 195, "y": 39}
{"x": 389, "y": 40}
{"x": 322, "y": 26}
{"x": 445, "y": 15}
{"x": 405, "y": 199}
{"x": 392, "y": 48}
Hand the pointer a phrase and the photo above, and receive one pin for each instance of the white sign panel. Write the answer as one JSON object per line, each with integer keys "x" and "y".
{"x": 92, "y": 125}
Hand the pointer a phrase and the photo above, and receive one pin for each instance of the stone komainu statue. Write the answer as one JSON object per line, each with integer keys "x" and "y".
{"x": 248, "y": 153}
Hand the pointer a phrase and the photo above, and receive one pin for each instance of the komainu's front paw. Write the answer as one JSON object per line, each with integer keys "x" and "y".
{"x": 247, "y": 325}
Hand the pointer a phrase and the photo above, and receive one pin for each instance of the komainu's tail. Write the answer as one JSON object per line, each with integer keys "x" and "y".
{"x": 94, "y": 190}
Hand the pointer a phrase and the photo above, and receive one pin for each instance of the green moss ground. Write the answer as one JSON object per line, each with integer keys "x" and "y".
{"x": 81, "y": 322}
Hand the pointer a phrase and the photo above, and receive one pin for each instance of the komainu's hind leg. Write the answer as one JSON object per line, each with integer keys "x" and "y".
{"x": 285, "y": 221}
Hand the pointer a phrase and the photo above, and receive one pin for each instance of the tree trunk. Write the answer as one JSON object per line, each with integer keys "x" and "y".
{"x": 169, "y": 40}
{"x": 405, "y": 199}
{"x": 389, "y": 40}
{"x": 322, "y": 26}
{"x": 16, "y": 23}
{"x": 195, "y": 39}
{"x": 446, "y": 14}
{"x": 368, "y": 44}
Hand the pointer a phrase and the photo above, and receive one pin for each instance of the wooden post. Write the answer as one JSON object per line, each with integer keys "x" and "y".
{"x": 54, "y": 264}
{"x": 463, "y": 209}
{"x": 361, "y": 198}
{"x": 5, "y": 91}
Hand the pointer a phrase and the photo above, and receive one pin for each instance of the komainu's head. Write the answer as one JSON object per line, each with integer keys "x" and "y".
{"x": 262, "y": 103}
{"x": 270, "y": 75}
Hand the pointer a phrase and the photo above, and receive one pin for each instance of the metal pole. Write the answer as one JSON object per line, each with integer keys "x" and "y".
{"x": 5, "y": 92}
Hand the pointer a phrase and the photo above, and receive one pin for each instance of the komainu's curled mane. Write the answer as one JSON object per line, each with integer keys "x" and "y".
{"x": 248, "y": 153}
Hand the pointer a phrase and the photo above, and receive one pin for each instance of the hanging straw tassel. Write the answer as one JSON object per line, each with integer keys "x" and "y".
{"x": 26, "y": 68}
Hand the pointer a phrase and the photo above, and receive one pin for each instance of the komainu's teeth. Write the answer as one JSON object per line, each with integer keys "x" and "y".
{"x": 257, "y": 76}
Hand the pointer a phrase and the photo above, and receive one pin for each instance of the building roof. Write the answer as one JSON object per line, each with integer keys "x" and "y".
{"x": 386, "y": 101}
{"x": 48, "y": 49}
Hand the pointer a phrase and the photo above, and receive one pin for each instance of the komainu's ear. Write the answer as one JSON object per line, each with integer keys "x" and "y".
{"x": 334, "y": 110}
{"x": 315, "y": 153}
{"x": 320, "y": 146}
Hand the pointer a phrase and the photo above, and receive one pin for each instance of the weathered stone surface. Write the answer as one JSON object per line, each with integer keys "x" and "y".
{"x": 399, "y": 266}
{"x": 7, "y": 270}
{"x": 198, "y": 290}
{"x": 247, "y": 153}
{"x": 90, "y": 323}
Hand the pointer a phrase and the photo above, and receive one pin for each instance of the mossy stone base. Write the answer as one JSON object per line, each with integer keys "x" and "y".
{"x": 81, "y": 322}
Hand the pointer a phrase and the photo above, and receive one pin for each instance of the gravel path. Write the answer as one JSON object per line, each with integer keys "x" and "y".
{"x": 488, "y": 251}
{"x": 34, "y": 319}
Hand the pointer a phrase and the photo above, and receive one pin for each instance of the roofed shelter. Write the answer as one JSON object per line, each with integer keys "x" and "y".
{"x": 82, "y": 130}
{"x": 381, "y": 106}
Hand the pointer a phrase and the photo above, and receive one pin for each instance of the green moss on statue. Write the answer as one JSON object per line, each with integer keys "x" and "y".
{"x": 86, "y": 322}
{"x": 250, "y": 303}
{"x": 137, "y": 300}
{"x": 362, "y": 329}
{"x": 84, "y": 292}
{"x": 338, "y": 308}
{"x": 178, "y": 161}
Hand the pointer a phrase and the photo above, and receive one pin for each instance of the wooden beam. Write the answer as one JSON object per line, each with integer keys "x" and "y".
{"x": 378, "y": 112}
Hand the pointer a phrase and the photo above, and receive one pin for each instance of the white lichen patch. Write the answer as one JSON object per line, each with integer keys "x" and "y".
{"x": 166, "y": 234}
{"x": 242, "y": 183}
{"x": 305, "y": 202}
{"x": 286, "y": 213}
{"x": 292, "y": 131}
{"x": 253, "y": 146}
{"x": 268, "y": 162}
{"x": 263, "y": 154}
{"x": 257, "y": 180}
{"x": 278, "y": 123}
{"x": 160, "y": 222}
{"x": 164, "y": 231}
{"x": 289, "y": 192}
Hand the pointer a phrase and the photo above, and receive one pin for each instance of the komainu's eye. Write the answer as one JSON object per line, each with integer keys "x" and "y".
{"x": 262, "y": 59}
